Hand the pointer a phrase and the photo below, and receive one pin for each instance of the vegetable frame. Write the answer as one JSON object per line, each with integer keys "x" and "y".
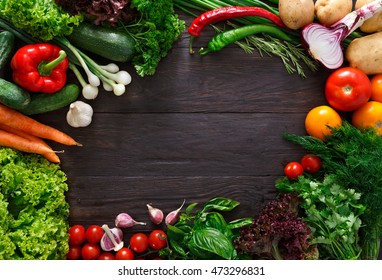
{"x": 324, "y": 43}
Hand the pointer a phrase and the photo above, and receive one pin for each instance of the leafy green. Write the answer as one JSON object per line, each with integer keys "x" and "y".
{"x": 353, "y": 157}
{"x": 33, "y": 209}
{"x": 154, "y": 31}
{"x": 333, "y": 213}
{"x": 204, "y": 234}
{"x": 42, "y": 19}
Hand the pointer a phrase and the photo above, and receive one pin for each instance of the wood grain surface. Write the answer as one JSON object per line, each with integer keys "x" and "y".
{"x": 201, "y": 127}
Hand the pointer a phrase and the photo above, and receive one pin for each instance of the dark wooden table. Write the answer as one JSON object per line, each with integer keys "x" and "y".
{"x": 201, "y": 127}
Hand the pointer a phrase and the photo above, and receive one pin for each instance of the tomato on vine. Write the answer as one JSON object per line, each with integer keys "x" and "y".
{"x": 124, "y": 254}
{"x": 90, "y": 251}
{"x": 74, "y": 252}
{"x": 106, "y": 256}
{"x": 157, "y": 239}
{"x": 311, "y": 163}
{"x": 94, "y": 233}
{"x": 76, "y": 235}
{"x": 293, "y": 170}
{"x": 347, "y": 89}
{"x": 139, "y": 242}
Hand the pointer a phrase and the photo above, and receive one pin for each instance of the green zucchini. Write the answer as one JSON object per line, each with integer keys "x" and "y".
{"x": 7, "y": 44}
{"x": 44, "y": 102}
{"x": 110, "y": 43}
{"x": 13, "y": 96}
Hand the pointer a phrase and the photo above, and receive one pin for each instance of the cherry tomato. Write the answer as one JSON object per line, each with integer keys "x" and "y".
{"x": 124, "y": 254}
{"x": 106, "y": 256}
{"x": 320, "y": 120}
{"x": 93, "y": 234}
{"x": 76, "y": 235}
{"x": 369, "y": 115}
{"x": 74, "y": 252}
{"x": 347, "y": 89}
{"x": 293, "y": 169}
{"x": 90, "y": 251}
{"x": 139, "y": 242}
{"x": 311, "y": 163}
{"x": 376, "y": 87}
{"x": 157, "y": 239}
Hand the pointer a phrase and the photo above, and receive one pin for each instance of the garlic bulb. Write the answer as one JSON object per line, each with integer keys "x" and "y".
{"x": 80, "y": 114}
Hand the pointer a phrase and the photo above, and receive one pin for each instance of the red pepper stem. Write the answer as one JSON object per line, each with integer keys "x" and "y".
{"x": 45, "y": 67}
{"x": 192, "y": 38}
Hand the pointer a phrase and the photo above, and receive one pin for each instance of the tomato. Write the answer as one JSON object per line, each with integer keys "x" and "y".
{"x": 311, "y": 163}
{"x": 293, "y": 169}
{"x": 93, "y": 234}
{"x": 157, "y": 239}
{"x": 347, "y": 89}
{"x": 90, "y": 251}
{"x": 369, "y": 115}
{"x": 139, "y": 242}
{"x": 106, "y": 256}
{"x": 74, "y": 252}
{"x": 320, "y": 120}
{"x": 376, "y": 87}
{"x": 124, "y": 254}
{"x": 76, "y": 235}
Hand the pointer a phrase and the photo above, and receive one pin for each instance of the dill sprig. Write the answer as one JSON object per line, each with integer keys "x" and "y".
{"x": 353, "y": 156}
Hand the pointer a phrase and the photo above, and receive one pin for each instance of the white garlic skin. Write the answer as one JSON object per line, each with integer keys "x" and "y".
{"x": 80, "y": 114}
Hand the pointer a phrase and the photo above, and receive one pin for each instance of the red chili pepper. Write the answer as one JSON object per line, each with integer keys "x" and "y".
{"x": 225, "y": 13}
{"x": 40, "y": 67}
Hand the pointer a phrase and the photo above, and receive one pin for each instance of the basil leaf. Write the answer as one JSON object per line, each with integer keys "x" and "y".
{"x": 220, "y": 204}
{"x": 212, "y": 240}
{"x": 175, "y": 233}
{"x": 240, "y": 223}
{"x": 177, "y": 248}
{"x": 190, "y": 208}
{"x": 217, "y": 221}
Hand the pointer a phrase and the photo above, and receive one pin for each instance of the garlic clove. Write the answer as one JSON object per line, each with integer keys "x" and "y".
{"x": 112, "y": 239}
{"x": 173, "y": 216}
{"x": 155, "y": 214}
{"x": 80, "y": 114}
{"x": 124, "y": 220}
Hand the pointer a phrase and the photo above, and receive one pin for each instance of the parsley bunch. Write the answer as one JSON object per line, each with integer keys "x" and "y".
{"x": 353, "y": 157}
{"x": 333, "y": 213}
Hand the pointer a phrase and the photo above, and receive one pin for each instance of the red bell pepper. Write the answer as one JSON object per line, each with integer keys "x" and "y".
{"x": 40, "y": 67}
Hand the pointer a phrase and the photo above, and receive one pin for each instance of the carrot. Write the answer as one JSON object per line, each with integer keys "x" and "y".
{"x": 51, "y": 156}
{"x": 21, "y": 122}
{"x": 20, "y": 143}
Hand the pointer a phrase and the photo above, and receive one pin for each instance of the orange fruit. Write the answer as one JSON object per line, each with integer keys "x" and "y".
{"x": 376, "y": 88}
{"x": 320, "y": 120}
{"x": 369, "y": 115}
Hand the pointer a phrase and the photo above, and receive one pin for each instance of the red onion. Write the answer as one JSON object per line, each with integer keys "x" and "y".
{"x": 324, "y": 43}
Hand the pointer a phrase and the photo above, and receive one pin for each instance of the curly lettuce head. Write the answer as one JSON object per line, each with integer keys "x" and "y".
{"x": 33, "y": 210}
{"x": 42, "y": 19}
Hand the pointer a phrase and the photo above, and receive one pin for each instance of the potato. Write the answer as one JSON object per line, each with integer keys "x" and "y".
{"x": 365, "y": 53}
{"x": 331, "y": 11}
{"x": 296, "y": 13}
{"x": 374, "y": 23}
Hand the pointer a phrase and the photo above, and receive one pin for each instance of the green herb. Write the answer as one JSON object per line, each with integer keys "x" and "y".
{"x": 42, "y": 18}
{"x": 155, "y": 32}
{"x": 292, "y": 54}
{"x": 353, "y": 157}
{"x": 332, "y": 211}
{"x": 33, "y": 210}
{"x": 205, "y": 234}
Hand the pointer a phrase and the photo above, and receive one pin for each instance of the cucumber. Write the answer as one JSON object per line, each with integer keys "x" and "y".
{"x": 13, "y": 96}
{"x": 107, "y": 42}
{"x": 43, "y": 102}
{"x": 7, "y": 44}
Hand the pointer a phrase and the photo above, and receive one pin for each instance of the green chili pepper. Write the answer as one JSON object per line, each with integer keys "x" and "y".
{"x": 223, "y": 39}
